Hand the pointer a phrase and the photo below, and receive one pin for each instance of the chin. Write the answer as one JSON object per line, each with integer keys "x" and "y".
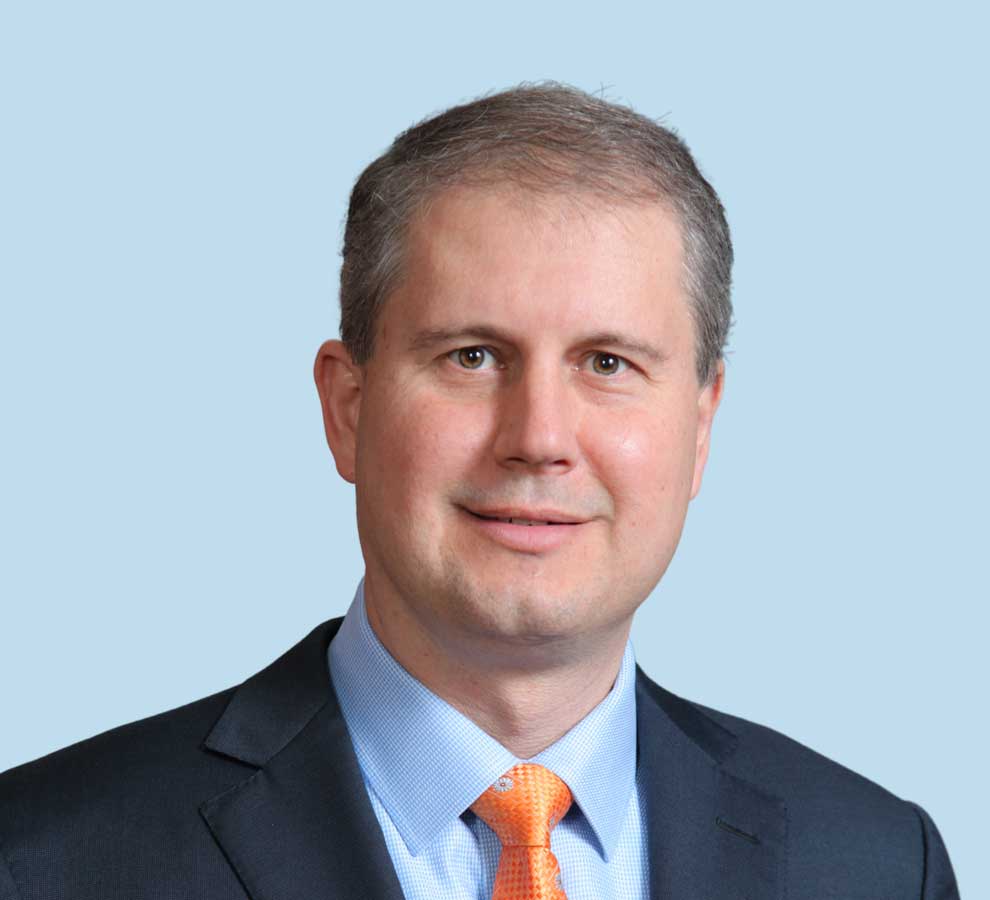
{"x": 517, "y": 610}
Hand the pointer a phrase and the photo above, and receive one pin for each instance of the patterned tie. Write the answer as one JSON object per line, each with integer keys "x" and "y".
{"x": 522, "y": 808}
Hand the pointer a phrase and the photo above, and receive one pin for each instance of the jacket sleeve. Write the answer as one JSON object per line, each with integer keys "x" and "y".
{"x": 938, "y": 881}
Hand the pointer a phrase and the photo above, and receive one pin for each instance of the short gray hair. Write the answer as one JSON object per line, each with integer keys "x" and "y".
{"x": 544, "y": 137}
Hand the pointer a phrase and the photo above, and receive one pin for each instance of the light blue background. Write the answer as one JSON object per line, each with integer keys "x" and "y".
{"x": 173, "y": 186}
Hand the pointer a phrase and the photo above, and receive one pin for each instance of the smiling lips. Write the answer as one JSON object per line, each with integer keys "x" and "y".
{"x": 512, "y": 521}
{"x": 527, "y": 516}
{"x": 527, "y": 531}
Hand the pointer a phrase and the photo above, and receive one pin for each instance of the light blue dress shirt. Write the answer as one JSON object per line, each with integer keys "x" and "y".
{"x": 424, "y": 763}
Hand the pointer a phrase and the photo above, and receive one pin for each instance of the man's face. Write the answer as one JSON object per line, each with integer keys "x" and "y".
{"x": 536, "y": 361}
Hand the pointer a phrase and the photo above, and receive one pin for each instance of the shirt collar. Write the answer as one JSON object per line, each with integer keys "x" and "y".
{"x": 427, "y": 762}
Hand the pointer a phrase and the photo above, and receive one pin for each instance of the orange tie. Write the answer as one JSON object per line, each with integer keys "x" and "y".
{"x": 522, "y": 808}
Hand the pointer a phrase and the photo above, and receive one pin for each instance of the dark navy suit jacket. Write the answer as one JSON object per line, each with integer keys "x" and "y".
{"x": 255, "y": 793}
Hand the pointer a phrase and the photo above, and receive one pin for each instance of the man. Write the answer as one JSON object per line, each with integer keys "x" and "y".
{"x": 535, "y": 302}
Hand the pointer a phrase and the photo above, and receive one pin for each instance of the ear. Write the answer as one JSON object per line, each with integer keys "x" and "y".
{"x": 708, "y": 401}
{"x": 339, "y": 383}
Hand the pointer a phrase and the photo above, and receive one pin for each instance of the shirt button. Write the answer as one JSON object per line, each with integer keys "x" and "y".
{"x": 503, "y": 784}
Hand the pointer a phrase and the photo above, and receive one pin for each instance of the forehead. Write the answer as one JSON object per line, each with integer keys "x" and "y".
{"x": 541, "y": 262}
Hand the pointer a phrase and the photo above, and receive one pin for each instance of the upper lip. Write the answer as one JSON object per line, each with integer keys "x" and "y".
{"x": 532, "y": 515}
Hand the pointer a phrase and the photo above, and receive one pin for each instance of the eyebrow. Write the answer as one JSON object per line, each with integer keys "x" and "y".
{"x": 430, "y": 337}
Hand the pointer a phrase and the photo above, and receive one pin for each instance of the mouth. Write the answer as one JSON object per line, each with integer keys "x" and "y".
{"x": 522, "y": 519}
{"x": 530, "y": 532}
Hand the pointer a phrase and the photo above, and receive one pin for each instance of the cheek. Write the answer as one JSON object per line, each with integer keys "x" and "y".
{"x": 645, "y": 463}
{"x": 423, "y": 449}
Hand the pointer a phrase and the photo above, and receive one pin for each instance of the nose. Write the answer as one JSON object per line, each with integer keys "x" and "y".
{"x": 537, "y": 420}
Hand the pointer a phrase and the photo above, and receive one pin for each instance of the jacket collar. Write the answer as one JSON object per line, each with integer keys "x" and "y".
{"x": 303, "y": 824}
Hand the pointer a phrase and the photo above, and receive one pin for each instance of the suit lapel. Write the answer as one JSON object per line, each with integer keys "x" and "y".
{"x": 712, "y": 836}
{"x": 302, "y": 825}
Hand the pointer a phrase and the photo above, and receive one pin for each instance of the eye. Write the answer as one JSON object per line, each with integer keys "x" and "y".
{"x": 470, "y": 357}
{"x": 608, "y": 363}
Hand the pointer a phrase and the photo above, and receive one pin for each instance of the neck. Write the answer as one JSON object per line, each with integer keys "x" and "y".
{"x": 525, "y": 696}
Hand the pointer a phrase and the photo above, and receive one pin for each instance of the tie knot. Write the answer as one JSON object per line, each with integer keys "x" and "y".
{"x": 524, "y": 805}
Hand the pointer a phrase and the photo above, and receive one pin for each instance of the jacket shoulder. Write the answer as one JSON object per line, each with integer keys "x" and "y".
{"x": 154, "y": 764}
{"x": 833, "y": 812}
{"x": 121, "y": 814}
{"x": 834, "y": 816}
{"x": 835, "y": 820}
{"x": 792, "y": 769}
